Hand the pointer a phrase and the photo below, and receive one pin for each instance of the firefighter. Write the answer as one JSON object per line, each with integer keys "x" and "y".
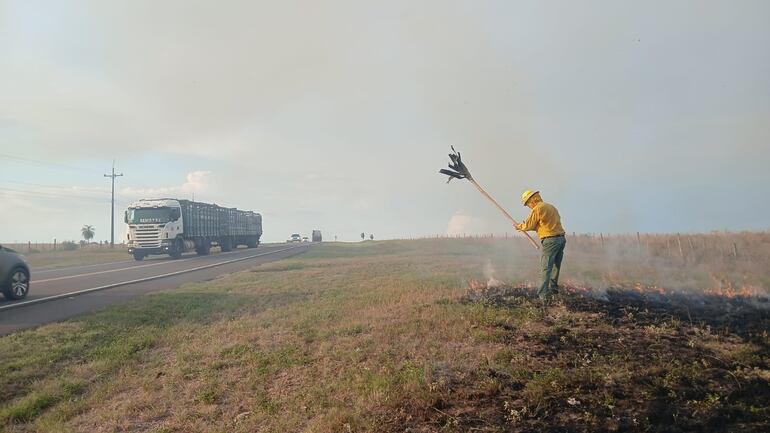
{"x": 545, "y": 220}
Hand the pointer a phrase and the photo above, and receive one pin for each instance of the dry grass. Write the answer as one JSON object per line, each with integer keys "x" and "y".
{"x": 381, "y": 336}
{"x": 40, "y": 260}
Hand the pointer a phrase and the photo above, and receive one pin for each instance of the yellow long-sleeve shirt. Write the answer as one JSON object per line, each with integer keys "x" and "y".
{"x": 545, "y": 219}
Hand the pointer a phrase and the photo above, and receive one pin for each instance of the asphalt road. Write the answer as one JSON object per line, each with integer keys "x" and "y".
{"x": 59, "y": 294}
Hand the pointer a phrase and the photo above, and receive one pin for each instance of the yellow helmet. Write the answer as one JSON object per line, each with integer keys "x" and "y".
{"x": 526, "y": 195}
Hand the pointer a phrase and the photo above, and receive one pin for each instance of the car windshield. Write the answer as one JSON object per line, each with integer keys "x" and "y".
{"x": 149, "y": 215}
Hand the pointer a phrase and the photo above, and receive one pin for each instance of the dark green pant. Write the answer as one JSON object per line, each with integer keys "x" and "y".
{"x": 550, "y": 264}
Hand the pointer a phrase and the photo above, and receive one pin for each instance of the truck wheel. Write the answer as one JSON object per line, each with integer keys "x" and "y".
{"x": 17, "y": 285}
{"x": 252, "y": 243}
{"x": 138, "y": 257}
{"x": 176, "y": 252}
{"x": 226, "y": 245}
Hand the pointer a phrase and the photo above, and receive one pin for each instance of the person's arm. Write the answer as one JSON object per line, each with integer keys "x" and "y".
{"x": 530, "y": 223}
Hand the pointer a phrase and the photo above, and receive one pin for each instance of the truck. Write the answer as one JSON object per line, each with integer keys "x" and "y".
{"x": 317, "y": 236}
{"x": 175, "y": 226}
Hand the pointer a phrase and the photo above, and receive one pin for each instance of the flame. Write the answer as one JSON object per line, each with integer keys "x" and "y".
{"x": 725, "y": 288}
{"x": 576, "y": 287}
{"x": 477, "y": 286}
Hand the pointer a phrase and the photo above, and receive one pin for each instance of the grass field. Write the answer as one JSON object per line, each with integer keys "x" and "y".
{"x": 389, "y": 337}
{"x": 41, "y": 260}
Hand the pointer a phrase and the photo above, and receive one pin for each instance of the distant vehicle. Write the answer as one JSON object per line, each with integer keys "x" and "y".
{"x": 172, "y": 226}
{"x": 14, "y": 274}
{"x": 305, "y": 239}
{"x": 295, "y": 237}
{"x": 317, "y": 236}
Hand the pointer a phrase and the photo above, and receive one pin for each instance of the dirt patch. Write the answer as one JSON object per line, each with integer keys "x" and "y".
{"x": 618, "y": 361}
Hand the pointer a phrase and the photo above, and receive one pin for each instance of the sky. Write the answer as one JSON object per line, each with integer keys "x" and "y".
{"x": 336, "y": 115}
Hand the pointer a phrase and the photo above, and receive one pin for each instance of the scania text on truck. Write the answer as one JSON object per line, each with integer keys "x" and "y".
{"x": 173, "y": 226}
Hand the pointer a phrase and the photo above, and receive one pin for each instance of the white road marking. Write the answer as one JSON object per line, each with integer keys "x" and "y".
{"x": 69, "y": 268}
{"x": 128, "y": 268}
{"x": 111, "y": 270}
{"x": 45, "y": 271}
{"x": 140, "y": 280}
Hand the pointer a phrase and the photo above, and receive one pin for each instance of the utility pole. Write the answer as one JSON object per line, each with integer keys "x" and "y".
{"x": 112, "y": 213}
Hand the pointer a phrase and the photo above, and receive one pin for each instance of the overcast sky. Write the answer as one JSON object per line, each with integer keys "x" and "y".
{"x": 336, "y": 115}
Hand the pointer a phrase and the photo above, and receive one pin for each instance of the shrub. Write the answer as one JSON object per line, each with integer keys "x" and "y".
{"x": 69, "y": 246}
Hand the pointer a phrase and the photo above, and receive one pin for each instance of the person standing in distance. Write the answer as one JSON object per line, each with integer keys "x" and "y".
{"x": 546, "y": 221}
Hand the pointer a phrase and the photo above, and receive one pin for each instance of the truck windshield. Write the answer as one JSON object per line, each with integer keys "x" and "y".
{"x": 149, "y": 215}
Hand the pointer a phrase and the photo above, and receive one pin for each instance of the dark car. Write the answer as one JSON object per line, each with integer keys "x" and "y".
{"x": 14, "y": 274}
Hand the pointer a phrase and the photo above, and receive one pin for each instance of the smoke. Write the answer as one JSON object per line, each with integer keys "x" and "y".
{"x": 707, "y": 269}
{"x": 489, "y": 274}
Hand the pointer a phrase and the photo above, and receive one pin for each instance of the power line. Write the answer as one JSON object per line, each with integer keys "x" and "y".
{"x": 40, "y": 162}
{"x": 19, "y": 192}
{"x": 56, "y": 187}
{"x": 62, "y": 194}
{"x": 112, "y": 213}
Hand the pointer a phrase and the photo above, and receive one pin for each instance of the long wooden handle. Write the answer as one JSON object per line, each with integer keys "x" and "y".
{"x": 505, "y": 212}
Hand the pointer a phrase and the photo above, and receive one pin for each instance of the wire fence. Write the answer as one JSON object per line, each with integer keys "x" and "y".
{"x": 685, "y": 247}
{"x": 30, "y": 247}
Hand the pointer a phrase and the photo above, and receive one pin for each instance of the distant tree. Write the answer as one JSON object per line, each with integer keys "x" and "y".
{"x": 363, "y": 236}
{"x": 88, "y": 232}
{"x": 371, "y": 237}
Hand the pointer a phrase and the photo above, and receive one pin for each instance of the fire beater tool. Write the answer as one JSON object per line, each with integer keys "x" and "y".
{"x": 460, "y": 171}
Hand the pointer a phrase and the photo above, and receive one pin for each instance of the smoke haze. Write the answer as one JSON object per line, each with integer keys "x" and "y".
{"x": 337, "y": 115}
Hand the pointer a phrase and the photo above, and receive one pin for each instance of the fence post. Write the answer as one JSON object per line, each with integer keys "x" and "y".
{"x": 735, "y": 250}
{"x": 54, "y": 244}
{"x": 601, "y": 236}
{"x": 722, "y": 252}
{"x": 29, "y": 246}
{"x": 639, "y": 243}
{"x": 679, "y": 242}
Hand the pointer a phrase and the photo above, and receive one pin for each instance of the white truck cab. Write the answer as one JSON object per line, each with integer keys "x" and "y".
{"x": 153, "y": 227}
